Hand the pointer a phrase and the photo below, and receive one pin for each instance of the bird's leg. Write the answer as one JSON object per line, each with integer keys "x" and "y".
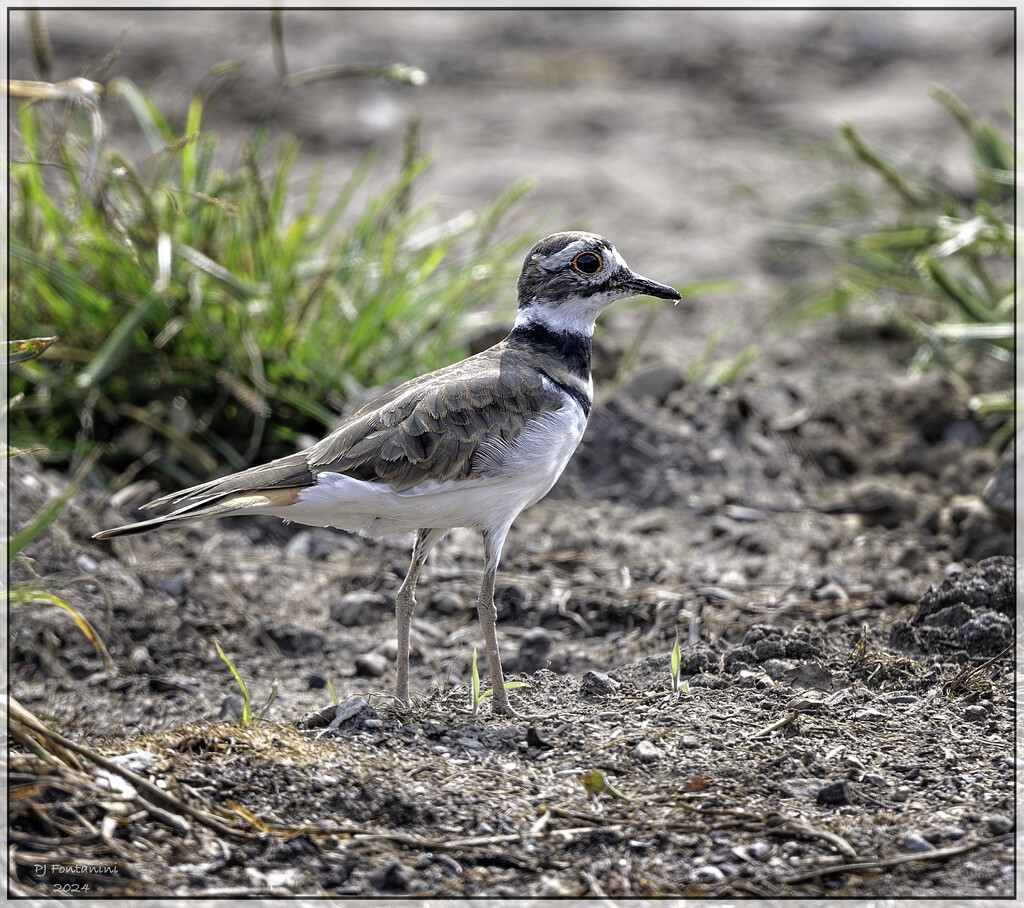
{"x": 488, "y": 614}
{"x": 405, "y": 604}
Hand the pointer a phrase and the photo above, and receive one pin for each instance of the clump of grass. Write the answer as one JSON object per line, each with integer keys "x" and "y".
{"x": 937, "y": 260}
{"x": 208, "y": 317}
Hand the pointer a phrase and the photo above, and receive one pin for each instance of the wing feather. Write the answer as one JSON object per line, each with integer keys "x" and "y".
{"x": 455, "y": 423}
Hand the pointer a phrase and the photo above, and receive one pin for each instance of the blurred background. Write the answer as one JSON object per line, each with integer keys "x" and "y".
{"x": 704, "y": 144}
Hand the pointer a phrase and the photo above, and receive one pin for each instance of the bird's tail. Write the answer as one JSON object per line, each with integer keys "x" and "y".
{"x": 225, "y": 506}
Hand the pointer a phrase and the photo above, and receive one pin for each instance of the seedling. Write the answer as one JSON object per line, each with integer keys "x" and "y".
{"x": 596, "y": 784}
{"x": 477, "y": 697}
{"x": 247, "y": 718}
{"x": 674, "y": 665}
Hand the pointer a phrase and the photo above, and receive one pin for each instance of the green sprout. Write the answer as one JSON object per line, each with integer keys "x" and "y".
{"x": 476, "y": 696}
{"x": 247, "y": 718}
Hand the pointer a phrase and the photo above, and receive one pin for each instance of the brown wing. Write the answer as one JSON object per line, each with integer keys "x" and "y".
{"x": 438, "y": 427}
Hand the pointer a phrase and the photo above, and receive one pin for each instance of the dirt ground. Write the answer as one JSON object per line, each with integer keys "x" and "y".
{"x": 815, "y": 534}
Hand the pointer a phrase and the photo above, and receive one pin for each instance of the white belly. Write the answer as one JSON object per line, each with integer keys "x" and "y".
{"x": 514, "y": 478}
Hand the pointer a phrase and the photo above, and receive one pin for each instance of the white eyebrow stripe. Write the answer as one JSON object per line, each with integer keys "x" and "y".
{"x": 566, "y": 255}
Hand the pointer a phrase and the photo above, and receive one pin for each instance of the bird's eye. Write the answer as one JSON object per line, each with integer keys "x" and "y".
{"x": 588, "y": 263}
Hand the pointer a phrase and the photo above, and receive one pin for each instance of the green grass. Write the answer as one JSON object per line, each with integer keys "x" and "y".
{"x": 247, "y": 717}
{"x": 209, "y": 317}
{"x": 937, "y": 259}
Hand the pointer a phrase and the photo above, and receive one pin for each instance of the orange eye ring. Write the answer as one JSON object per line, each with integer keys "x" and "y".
{"x": 588, "y": 263}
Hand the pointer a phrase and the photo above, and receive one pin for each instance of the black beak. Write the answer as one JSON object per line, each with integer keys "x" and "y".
{"x": 641, "y": 286}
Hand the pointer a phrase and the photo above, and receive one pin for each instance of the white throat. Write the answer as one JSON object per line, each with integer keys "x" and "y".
{"x": 567, "y": 318}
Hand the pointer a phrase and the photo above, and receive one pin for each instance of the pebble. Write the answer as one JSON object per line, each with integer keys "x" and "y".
{"x": 835, "y": 794}
{"x": 646, "y": 752}
{"x": 976, "y": 714}
{"x": 295, "y": 641}
{"x": 360, "y": 607}
{"x": 447, "y": 602}
{"x": 395, "y": 878}
{"x": 140, "y": 660}
{"x": 371, "y": 665}
{"x": 299, "y": 545}
{"x": 174, "y": 586}
{"x": 657, "y": 381}
{"x": 769, "y": 649}
{"x": 915, "y": 843}
{"x": 754, "y": 851}
{"x": 997, "y": 824}
{"x": 901, "y": 794}
{"x": 803, "y": 788}
{"x": 829, "y": 592}
{"x": 777, "y": 669}
{"x": 708, "y": 874}
{"x": 745, "y": 514}
{"x": 597, "y": 684}
{"x": 86, "y": 563}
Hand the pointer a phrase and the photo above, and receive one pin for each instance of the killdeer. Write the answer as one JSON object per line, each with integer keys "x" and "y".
{"x": 469, "y": 445}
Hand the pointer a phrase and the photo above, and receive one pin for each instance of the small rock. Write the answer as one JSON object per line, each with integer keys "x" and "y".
{"x": 709, "y": 874}
{"x": 915, "y": 843}
{"x": 447, "y": 602}
{"x": 803, "y": 788}
{"x": 901, "y": 794}
{"x": 298, "y": 546}
{"x": 140, "y": 660}
{"x": 755, "y": 851}
{"x": 830, "y": 592}
{"x": 371, "y": 665}
{"x": 657, "y": 381}
{"x": 295, "y": 641}
{"x": 836, "y": 794}
{"x": 646, "y": 752}
{"x": 597, "y": 684}
{"x": 976, "y": 714}
{"x": 173, "y": 586}
{"x": 769, "y": 649}
{"x": 397, "y": 877}
{"x": 777, "y": 669}
{"x": 316, "y": 680}
{"x": 360, "y": 607}
{"x": 997, "y": 824}
{"x": 86, "y": 563}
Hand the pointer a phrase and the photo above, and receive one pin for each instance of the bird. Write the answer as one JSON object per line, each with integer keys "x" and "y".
{"x": 471, "y": 444}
